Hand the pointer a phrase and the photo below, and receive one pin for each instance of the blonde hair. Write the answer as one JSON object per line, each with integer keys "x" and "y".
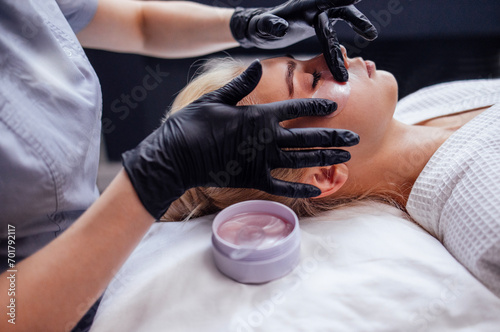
{"x": 201, "y": 201}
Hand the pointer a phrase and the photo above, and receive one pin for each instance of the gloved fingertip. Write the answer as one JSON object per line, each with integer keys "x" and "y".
{"x": 322, "y": 107}
{"x": 272, "y": 25}
{"x": 371, "y": 33}
{"x": 343, "y": 157}
{"x": 312, "y": 191}
{"x": 340, "y": 74}
{"x": 293, "y": 189}
{"x": 351, "y": 138}
{"x": 332, "y": 108}
{"x": 254, "y": 71}
{"x": 238, "y": 88}
{"x": 279, "y": 27}
{"x": 332, "y": 157}
{"x": 335, "y": 61}
{"x": 304, "y": 191}
{"x": 255, "y": 66}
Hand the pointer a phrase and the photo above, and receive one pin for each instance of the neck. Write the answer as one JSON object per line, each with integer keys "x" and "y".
{"x": 400, "y": 158}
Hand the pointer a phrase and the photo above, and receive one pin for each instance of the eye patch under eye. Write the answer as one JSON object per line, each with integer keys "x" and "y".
{"x": 331, "y": 89}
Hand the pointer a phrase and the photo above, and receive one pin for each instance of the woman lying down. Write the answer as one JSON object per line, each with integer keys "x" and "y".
{"x": 435, "y": 154}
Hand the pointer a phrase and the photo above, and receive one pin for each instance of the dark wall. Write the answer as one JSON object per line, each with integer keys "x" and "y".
{"x": 420, "y": 42}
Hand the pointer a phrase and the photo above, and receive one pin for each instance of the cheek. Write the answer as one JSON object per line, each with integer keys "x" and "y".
{"x": 373, "y": 101}
{"x": 337, "y": 92}
{"x": 368, "y": 110}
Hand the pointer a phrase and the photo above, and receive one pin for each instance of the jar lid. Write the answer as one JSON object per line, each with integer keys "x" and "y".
{"x": 256, "y": 241}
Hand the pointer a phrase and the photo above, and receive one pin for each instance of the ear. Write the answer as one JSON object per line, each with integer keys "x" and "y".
{"x": 328, "y": 179}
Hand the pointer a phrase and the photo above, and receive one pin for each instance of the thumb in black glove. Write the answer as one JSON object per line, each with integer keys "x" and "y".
{"x": 211, "y": 142}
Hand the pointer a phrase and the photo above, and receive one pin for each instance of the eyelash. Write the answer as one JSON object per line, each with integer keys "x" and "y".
{"x": 316, "y": 78}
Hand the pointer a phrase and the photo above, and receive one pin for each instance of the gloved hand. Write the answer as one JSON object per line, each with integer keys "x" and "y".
{"x": 328, "y": 37}
{"x": 295, "y": 20}
{"x": 212, "y": 142}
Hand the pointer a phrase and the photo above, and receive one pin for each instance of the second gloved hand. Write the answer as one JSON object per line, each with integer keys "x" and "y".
{"x": 296, "y": 20}
{"x": 328, "y": 37}
{"x": 212, "y": 142}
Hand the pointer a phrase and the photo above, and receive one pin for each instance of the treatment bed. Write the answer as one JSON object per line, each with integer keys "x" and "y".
{"x": 362, "y": 268}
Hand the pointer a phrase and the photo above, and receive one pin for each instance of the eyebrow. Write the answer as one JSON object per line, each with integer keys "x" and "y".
{"x": 289, "y": 76}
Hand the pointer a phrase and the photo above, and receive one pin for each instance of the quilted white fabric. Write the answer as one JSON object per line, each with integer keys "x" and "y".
{"x": 457, "y": 196}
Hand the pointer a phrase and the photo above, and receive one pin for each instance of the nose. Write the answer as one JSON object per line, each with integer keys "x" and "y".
{"x": 344, "y": 54}
{"x": 344, "y": 50}
{"x": 319, "y": 61}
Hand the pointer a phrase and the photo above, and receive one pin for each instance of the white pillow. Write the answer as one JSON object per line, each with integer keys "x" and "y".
{"x": 362, "y": 268}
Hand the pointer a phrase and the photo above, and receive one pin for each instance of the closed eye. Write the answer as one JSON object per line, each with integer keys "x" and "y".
{"x": 316, "y": 78}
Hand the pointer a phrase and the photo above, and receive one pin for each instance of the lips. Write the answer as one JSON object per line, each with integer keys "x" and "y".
{"x": 370, "y": 67}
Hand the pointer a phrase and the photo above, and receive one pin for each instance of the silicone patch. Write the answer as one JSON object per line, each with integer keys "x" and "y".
{"x": 254, "y": 230}
{"x": 333, "y": 90}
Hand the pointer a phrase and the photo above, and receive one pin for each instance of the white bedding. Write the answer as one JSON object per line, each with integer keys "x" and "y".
{"x": 362, "y": 268}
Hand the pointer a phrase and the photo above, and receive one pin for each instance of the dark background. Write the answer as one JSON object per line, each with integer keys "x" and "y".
{"x": 422, "y": 42}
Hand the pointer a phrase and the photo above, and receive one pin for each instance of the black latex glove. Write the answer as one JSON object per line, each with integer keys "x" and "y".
{"x": 212, "y": 142}
{"x": 295, "y": 20}
{"x": 328, "y": 37}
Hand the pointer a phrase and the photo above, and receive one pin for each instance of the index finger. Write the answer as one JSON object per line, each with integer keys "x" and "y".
{"x": 331, "y": 47}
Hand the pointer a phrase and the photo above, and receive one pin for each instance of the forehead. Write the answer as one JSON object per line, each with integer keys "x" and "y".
{"x": 272, "y": 86}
